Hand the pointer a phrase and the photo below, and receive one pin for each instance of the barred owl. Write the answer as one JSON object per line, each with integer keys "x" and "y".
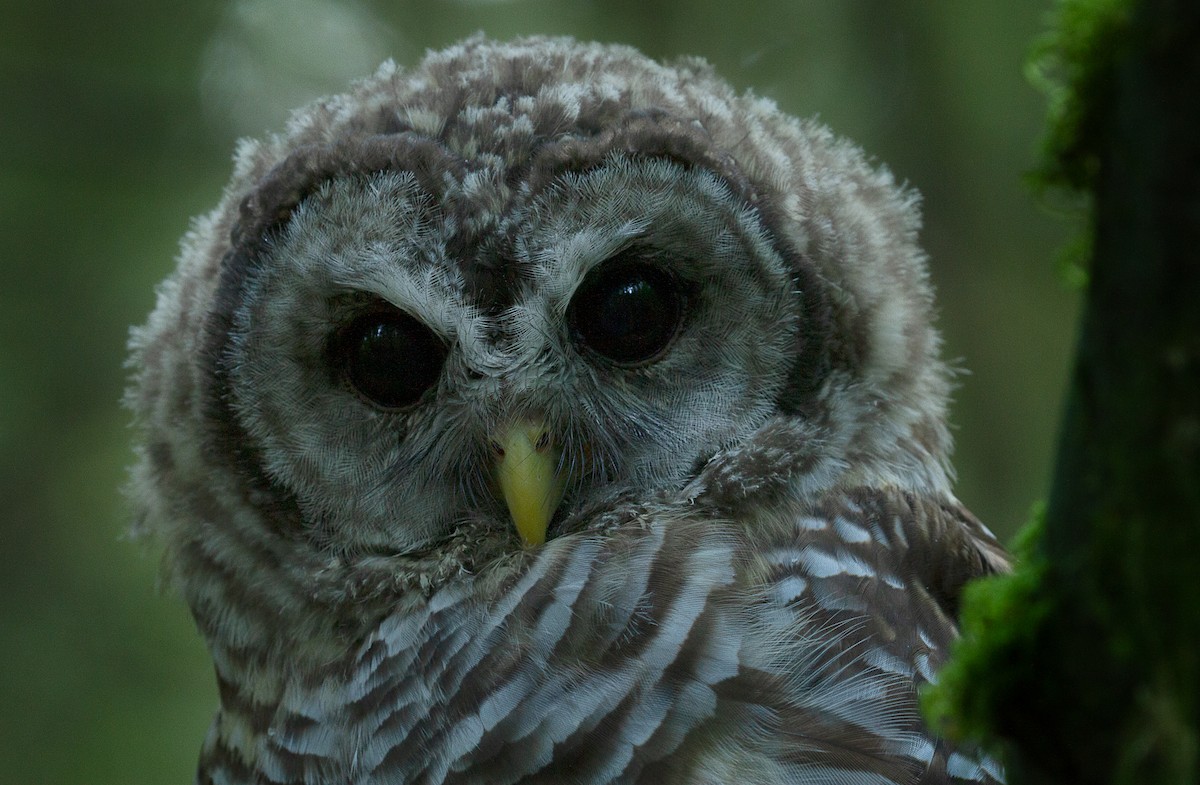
{"x": 546, "y": 414}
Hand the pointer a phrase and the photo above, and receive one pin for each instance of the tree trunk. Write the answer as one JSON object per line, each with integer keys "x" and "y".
{"x": 1085, "y": 666}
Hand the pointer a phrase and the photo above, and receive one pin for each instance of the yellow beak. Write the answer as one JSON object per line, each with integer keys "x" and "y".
{"x": 527, "y": 470}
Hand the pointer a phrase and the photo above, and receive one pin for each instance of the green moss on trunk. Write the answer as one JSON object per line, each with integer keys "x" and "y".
{"x": 1084, "y": 667}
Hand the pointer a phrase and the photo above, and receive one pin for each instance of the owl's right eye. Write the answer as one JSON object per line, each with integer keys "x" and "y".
{"x": 389, "y": 357}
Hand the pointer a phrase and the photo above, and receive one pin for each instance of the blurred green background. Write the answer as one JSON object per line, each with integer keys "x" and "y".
{"x": 116, "y": 124}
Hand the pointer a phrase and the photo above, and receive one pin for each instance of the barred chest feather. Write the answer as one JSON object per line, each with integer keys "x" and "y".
{"x": 666, "y": 650}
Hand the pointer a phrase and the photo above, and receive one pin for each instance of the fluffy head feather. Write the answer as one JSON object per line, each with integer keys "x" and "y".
{"x": 480, "y": 138}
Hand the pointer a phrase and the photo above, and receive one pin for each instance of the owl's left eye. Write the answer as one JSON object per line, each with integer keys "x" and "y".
{"x": 389, "y": 357}
{"x": 628, "y": 312}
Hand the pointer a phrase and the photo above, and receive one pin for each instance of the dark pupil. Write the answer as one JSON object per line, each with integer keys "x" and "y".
{"x": 391, "y": 358}
{"x": 628, "y": 313}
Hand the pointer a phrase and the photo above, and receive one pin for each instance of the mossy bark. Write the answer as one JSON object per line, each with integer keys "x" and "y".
{"x": 1085, "y": 666}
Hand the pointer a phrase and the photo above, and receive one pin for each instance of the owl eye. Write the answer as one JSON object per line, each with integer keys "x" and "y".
{"x": 389, "y": 357}
{"x": 627, "y": 312}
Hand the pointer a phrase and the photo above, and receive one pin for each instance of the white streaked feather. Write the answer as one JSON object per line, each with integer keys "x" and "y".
{"x": 850, "y": 531}
{"x": 822, "y": 564}
{"x": 886, "y": 661}
{"x": 959, "y": 765}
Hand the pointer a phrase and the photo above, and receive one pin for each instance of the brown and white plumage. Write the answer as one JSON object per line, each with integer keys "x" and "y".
{"x": 753, "y": 557}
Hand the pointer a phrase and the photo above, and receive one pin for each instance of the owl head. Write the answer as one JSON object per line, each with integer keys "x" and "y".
{"x": 470, "y": 306}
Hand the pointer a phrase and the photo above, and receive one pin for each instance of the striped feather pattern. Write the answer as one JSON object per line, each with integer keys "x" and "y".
{"x": 662, "y": 650}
